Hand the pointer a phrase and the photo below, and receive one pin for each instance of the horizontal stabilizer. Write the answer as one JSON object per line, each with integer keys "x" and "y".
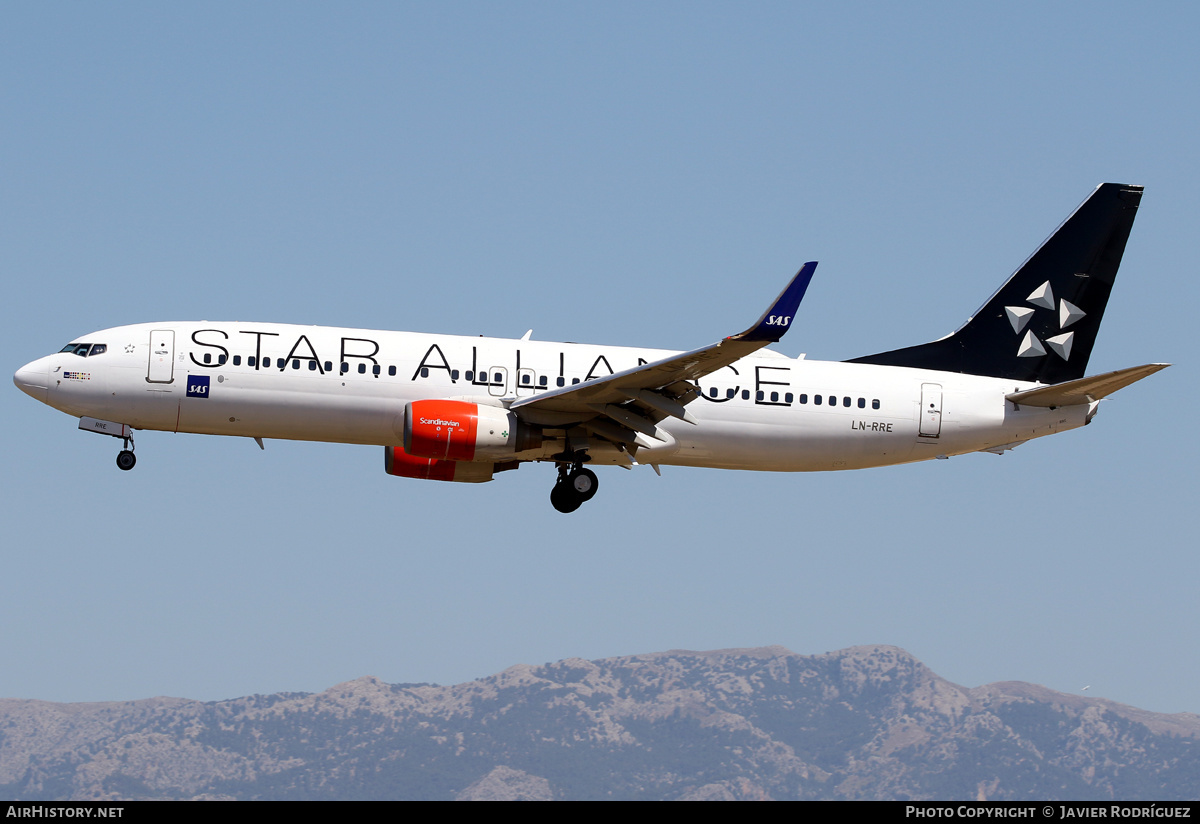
{"x": 1084, "y": 390}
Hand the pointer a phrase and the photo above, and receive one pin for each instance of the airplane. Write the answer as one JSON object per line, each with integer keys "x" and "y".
{"x": 461, "y": 409}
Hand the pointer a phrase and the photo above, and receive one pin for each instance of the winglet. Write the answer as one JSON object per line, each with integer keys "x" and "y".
{"x": 776, "y": 320}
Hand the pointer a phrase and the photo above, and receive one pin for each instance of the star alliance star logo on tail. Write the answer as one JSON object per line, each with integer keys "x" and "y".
{"x": 1031, "y": 346}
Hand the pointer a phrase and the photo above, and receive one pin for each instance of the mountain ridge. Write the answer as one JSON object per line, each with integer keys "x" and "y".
{"x": 869, "y": 721}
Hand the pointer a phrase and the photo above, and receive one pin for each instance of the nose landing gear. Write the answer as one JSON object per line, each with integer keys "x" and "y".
{"x": 574, "y": 486}
{"x": 125, "y": 458}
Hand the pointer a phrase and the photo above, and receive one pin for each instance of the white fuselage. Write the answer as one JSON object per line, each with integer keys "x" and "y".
{"x": 765, "y": 412}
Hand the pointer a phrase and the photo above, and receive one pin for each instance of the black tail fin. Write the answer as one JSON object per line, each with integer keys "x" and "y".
{"x": 1041, "y": 324}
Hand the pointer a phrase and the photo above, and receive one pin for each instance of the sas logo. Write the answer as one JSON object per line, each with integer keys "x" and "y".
{"x": 779, "y": 320}
{"x": 197, "y": 386}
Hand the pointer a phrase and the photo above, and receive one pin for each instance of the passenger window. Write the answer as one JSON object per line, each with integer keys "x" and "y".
{"x": 295, "y": 363}
{"x": 375, "y": 370}
{"x": 774, "y": 397}
{"x": 862, "y": 403}
{"x": 875, "y": 403}
{"x": 817, "y": 400}
{"x": 328, "y": 366}
{"x": 470, "y": 375}
{"x": 561, "y": 381}
{"x": 525, "y": 380}
{"x": 745, "y": 394}
{"x": 207, "y": 357}
{"x": 787, "y": 398}
{"x": 542, "y": 381}
{"x": 392, "y": 371}
{"x": 266, "y": 363}
{"x": 574, "y": 381}
{"x": 424, "y": 371}
{"x": 345, "y": 367}
{"x": 312, "y": 366}
{"x": 251, "y": 361}
{"x": 237, "y": 360}
{"x": 712, "y": 393}
{"x": 362, "y": 369}
{"x": 846, "y": 401}
{"x": 221, "y": 359}
{"x": 804, "y": 398}
{"x": 453, "y": 373}
{"x": 497, "y": 378}
{"x": 729, "y": 393}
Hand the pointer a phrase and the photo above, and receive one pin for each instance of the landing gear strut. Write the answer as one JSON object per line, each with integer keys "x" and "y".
{"x": 574, "y": 485}
{"x": 125, "y": 458}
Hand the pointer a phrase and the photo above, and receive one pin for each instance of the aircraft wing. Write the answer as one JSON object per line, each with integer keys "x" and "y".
{"x": 618, "y": 406}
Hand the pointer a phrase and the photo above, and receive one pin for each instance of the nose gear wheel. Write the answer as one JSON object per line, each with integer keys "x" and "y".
{"x": 125, "y": 458}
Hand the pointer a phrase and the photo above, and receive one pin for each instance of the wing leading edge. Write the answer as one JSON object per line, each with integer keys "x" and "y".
{"x": 621, "y": 406}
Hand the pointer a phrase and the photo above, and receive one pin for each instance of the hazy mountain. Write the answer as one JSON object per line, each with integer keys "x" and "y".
{"x": 867, "y": 722}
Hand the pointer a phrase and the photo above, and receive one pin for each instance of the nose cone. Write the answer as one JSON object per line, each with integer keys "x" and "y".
{"x": 33, "y": 378}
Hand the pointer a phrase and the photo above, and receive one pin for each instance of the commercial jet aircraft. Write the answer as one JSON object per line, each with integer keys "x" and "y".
{"x": 452, "y": 408}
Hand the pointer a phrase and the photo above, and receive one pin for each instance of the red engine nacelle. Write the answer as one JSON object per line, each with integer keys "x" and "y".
{"x": 398, "y": 462}
{"x": 462, "y": 431}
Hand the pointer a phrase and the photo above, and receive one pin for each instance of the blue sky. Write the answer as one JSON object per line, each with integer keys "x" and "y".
{"x": 641, "y": 174}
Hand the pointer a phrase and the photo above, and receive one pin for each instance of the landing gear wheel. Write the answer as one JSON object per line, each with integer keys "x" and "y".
{"x": 574, "y": 484}
{"x": 564, "y": 498}
{"x": 584, "y": 483}
{"x": 126, "y": 460}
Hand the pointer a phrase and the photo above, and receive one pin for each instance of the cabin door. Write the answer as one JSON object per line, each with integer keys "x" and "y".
{"x": 161, "y": 368}
{"x": 931, "y": 410}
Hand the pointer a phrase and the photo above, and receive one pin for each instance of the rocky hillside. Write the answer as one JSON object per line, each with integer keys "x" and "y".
{"x": 867, "y": 722}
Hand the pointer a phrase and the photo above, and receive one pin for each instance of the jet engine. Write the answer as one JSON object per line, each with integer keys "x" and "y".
{"x": 450, "y": 430}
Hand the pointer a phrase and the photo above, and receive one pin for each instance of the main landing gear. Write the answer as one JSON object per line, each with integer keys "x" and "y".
{"x": 125, "y": 458}
{"x": 575, "y": 484}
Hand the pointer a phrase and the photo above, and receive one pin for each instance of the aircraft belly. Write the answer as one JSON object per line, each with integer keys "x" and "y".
{"x": 795, "y": 442}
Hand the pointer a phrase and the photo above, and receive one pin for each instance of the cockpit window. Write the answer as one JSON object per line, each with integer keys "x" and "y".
{"x": 82, "y": 349}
